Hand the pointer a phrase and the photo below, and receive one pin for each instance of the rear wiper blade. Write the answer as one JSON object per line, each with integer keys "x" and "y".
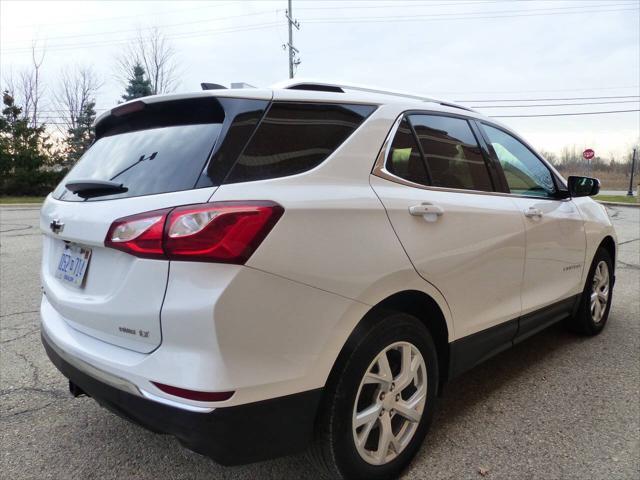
{"x": 94, "y": 188}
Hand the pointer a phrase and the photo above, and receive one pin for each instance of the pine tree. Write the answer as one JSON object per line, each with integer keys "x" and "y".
{"x": 25, "y": 154}
{"x": 81, "y": 137}
{"x": 22, "y": 147}
{"x": 138, "y": 86}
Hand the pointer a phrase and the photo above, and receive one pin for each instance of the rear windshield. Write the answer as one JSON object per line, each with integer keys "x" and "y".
{"x": 146, "y": 162}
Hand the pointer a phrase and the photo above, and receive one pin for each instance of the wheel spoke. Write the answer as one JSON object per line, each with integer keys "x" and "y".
{"x": 597, "y": 311}
{"x": 408, "y": 412}
{"x": 375, "y": 378}
{"x": 406, "y": 374}
{"x": 384, "y": 369}
{"x": 368, "y": 415}
{"x": 602, "y": 297}
{"x": 387, "y": 438}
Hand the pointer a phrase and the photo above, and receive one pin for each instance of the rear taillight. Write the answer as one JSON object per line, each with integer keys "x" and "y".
{"x": 222, "y": 232}
{"x": 140, "y": 235}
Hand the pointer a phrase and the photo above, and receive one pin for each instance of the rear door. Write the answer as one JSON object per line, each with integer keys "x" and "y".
{"x": 555, "y": 233}
{"x": 461, "y": 235}
{"x": 164, "y": 155}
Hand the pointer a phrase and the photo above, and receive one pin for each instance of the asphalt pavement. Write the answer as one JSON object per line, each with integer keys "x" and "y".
{"x": 556, "y": 406}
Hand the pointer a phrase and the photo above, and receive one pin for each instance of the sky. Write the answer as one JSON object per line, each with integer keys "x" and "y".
{"x": 480, "y": 53}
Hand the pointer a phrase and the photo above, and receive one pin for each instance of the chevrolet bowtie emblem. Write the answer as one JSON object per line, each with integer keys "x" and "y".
{"x": 56, "y": 226}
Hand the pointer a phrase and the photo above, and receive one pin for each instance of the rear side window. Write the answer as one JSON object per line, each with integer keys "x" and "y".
{"x": 451, "y": 151}
{"x": 405, "y": 160}
{"x": 295, "y": 137}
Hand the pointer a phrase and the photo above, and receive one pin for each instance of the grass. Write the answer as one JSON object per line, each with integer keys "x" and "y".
{"x": 13, "y": 200}
{"x": 617, "y": 198}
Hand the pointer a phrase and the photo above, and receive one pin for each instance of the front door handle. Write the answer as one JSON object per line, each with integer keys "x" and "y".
{"x": 533, "y": 212}
{"x": 429, "y": 211}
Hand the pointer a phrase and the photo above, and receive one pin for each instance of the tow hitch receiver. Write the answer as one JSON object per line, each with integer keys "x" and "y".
{"x": 76, "y": 391}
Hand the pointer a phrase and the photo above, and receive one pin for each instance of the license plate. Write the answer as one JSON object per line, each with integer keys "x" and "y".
{"x": 73, "y": 264}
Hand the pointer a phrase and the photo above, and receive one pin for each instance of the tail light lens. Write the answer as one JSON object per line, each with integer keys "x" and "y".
{"x": 140, "y": 235}
{"x": 221, "y": 232}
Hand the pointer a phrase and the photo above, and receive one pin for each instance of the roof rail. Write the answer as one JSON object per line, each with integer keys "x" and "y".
{"x": 341, "y": 87}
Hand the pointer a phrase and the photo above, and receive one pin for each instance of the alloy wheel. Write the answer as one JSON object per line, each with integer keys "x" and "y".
{"x": 390, "y": 403}
{"x": 600, "y": 291}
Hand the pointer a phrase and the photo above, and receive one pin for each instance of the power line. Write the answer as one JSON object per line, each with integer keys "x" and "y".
{"x": 453, "y": 14}
{"x": 636, "y": 87}
{"x": 417, "y": 18}
{"x": 554, "y": 104}
{"x": 564, "y": 114}
{"x": 410, "y": 5}
{"x": 133, "y": 30}
{"x": 200, "y": 33}
{"x": 548, "y": 99}
{"x": 107, "y": 19}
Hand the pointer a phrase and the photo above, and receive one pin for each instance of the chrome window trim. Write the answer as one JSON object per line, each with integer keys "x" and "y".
{"x": 380, "y": 170}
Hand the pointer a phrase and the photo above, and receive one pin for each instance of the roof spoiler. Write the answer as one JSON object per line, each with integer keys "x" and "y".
{"x": 212, "y": 86}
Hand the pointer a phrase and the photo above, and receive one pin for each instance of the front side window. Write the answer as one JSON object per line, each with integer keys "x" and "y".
{"x": 451, "y": 152}
{"x": 526, "y": 174}
{"x": 296, "y": 137}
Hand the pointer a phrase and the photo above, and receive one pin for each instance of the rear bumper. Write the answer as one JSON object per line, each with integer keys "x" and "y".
{"x": 230, "y": 435}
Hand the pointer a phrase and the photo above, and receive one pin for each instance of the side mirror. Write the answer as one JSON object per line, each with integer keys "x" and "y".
{"x": 583, "y": 186}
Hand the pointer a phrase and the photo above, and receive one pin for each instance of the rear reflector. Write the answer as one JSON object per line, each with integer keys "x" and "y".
{"x": 221, "y": 232}
{"x": 194, "y": 394}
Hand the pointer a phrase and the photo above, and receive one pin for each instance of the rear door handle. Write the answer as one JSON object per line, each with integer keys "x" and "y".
{"x": 429, "y": 211}
{"x": 533, "y": 212}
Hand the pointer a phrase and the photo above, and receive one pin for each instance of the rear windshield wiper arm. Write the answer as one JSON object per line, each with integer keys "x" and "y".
{"x": 94, "y": 188}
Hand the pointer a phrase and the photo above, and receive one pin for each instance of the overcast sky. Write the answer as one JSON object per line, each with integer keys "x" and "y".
{"x": 456, "y": 50}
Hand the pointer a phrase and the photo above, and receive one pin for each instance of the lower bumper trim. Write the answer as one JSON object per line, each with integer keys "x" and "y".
{"x": 230, "y": 435}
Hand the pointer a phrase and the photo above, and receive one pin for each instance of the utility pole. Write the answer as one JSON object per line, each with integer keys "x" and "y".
{"x": 293, "y": 51}
{"x": 633, "y": 167}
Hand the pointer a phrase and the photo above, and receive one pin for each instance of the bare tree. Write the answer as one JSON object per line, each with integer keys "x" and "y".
{"x": 26, "y": 87}
{"x": 77, "y": 88}
{"x": 152, "y": 50}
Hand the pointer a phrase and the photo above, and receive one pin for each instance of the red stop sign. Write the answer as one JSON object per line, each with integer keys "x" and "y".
{"x": 588, "y": 154}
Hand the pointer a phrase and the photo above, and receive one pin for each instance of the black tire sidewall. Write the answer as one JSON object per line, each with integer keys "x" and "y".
{"x": 393, "y": 328}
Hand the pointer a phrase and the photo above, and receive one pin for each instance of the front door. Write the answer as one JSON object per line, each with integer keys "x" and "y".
{"x": 555, "y": 233}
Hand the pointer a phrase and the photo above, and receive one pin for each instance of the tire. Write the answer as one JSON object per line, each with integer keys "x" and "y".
{"x": 334, "y": 451}
{"x": 591, "y": 319}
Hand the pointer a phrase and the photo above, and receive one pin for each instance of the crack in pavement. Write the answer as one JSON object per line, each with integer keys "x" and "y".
{"x": 628, "y": 265}
{"x": 28, "y": 410}
{"x": 18, "y": 313}
{"x": 20, "y": 336}
{"x": 57, "y": 394}
{"x": 628, "y": 241}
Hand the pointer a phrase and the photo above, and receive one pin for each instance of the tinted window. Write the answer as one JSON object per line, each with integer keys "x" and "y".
{"x": 295, "y": 137}
{"x": 146, "y": 162}
{"x": 404, "y": 158}
{"x": 525, "y": 173}
{"x": 452, "y": 154}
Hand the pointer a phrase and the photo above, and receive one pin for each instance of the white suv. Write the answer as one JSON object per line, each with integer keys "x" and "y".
{"x": 261, "y": 271}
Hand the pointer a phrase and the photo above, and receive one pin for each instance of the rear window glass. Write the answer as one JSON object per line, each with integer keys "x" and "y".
{"x": 146, "y": 162}
{"x": 295, "y": 137}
